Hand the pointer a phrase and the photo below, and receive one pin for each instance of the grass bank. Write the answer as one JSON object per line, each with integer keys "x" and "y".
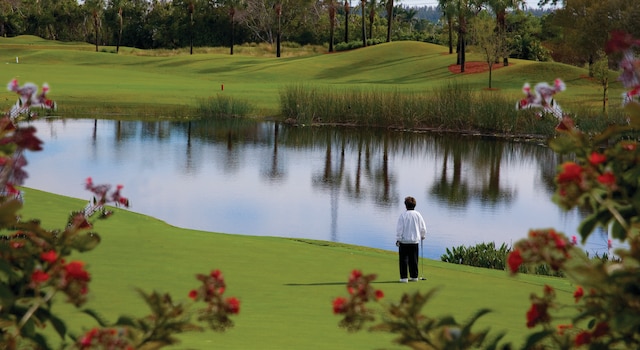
{"x": 286, "y": 286}
{"x": 135, "y": 85}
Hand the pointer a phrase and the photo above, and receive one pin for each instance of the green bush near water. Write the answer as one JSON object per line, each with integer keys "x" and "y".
{"x": 486, "y": 255}
{"x": 451, "y": 107}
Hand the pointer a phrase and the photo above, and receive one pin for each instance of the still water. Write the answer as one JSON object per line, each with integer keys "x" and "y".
{"x": 335, "y": 184}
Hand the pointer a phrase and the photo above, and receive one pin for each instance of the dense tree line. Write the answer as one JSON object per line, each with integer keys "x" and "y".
{"x": 573, "y": 33}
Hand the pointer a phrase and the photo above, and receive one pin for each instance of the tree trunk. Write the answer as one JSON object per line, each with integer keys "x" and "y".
{"x": 389, "y": 19}
{"x": 232, "y": 14}
{"x": 346, "y": 21}
{"x": 450, "y": 23}
{"x": 364, "y": 28}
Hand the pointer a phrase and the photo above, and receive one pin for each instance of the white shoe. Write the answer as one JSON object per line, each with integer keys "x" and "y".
{"x": 404, "y": 280}
{"x": 413, "y": 280}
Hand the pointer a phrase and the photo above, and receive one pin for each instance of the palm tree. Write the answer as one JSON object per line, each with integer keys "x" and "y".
{"x": 347, "y": 10}
{"x": 499, "y": 7}
{"x": 332, "y": 23}
{"x": 190, "y": 9}
{"x": 389, "y": 6}
{"x": 363, "y": 4}
{"x": 448, "y": 11}
{"x": 233, "y": 6}
{"x": 120, "y": 25}
{"x": 278, "y": 8}
{"x": 372, "y": 15}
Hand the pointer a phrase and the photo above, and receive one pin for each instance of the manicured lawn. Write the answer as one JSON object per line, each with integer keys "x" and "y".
{"x": 286, "y": 286}
{"x": 83, "y": 81}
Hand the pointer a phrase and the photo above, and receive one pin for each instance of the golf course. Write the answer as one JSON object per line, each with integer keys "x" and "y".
{"x": 285, "y": 286}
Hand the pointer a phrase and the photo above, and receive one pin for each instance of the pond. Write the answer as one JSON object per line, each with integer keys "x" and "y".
{"x": 326, "y": 183}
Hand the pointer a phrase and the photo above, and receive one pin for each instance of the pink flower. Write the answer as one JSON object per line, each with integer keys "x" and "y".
{"x": 620, "y": 41}
{"x": 574, "y": 240}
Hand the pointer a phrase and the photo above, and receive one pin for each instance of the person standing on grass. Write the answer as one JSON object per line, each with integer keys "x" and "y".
{"x": 409, "y": 231}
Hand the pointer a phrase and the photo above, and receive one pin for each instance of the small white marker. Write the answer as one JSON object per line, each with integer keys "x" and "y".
{"x": 17, "y": 59}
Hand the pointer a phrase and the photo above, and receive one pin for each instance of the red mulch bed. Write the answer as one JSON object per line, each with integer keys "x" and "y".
{"x": 474, "y": 67}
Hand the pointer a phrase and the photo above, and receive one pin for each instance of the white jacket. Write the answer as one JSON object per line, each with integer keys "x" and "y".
{"x": 411, "y": 227}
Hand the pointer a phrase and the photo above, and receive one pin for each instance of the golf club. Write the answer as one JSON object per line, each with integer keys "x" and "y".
{"x": 422, "y": 254}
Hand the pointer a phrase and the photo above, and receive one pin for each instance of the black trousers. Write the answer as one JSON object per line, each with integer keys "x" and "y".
{"x": 408, "y": 257}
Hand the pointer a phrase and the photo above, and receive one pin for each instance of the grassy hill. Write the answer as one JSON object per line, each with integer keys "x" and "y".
{"x": 167, "y": 83}
{"x": 286, "y": 286}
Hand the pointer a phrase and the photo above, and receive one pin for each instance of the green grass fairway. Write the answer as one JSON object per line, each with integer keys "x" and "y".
{"x": 286, "y": 286}
{"x": 85, "y": 81}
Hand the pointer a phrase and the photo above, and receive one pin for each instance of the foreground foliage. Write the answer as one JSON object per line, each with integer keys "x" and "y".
{"x": 603, "y": 178}
{"x": 36, "y": 265}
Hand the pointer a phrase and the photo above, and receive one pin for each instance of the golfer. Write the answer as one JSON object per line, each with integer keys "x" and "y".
{"x": 409, "y": 231}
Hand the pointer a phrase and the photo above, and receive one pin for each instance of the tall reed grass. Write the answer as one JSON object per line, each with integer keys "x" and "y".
{"x": 223, "y": 106}
{"x": 453, "y": 107}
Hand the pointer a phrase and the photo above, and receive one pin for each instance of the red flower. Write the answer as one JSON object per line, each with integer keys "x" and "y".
{"x": 193, "y": 294}
{"x": 601, "y": 329}
{"x": 515, "y": 260}
{"x": 50, "y": 256}
{"x": 339, "y": 305}
{"x": 379, "y": 294}
{"x": 578, "y": 294}
{"x": 571, "y": 172}
{"x": 39, "y": 276}
{"x": 355, "y": 274}
{"x": 583, "y": 338}
{"x": 75, "y": 270}
{"x": 233, "y": 305}
{"x": 560, "y": 242}
{"x": 216, "y": 274}
{"x": 536, "y": 314}
{"x": 607, "y": 179}
{"x": 597, "y": 158}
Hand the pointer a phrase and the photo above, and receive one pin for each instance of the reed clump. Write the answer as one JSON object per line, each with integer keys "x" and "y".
{"x": 452, "y": 107}
{"x": 223, "y": 106}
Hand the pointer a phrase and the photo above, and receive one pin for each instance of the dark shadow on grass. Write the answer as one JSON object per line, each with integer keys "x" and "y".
{"x": 332, "y": 283}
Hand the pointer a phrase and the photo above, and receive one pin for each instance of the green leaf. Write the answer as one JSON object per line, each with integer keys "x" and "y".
{"x": 589, "y": 224}
{"x": 96, "y": 316}
{"x": 41, "y": 341}
{"x": 618, "y": 232}
{"x": 85, "y": 242}
{"x": 534, "y": 338}
{"x": 126, "y": 321}
{"x": 59, "y": 326}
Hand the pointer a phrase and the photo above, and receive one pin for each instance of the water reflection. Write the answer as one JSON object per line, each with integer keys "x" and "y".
{"x": 338, "y": 184}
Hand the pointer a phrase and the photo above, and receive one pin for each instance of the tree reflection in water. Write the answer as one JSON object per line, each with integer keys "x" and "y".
{"x": 329, "y": 183}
